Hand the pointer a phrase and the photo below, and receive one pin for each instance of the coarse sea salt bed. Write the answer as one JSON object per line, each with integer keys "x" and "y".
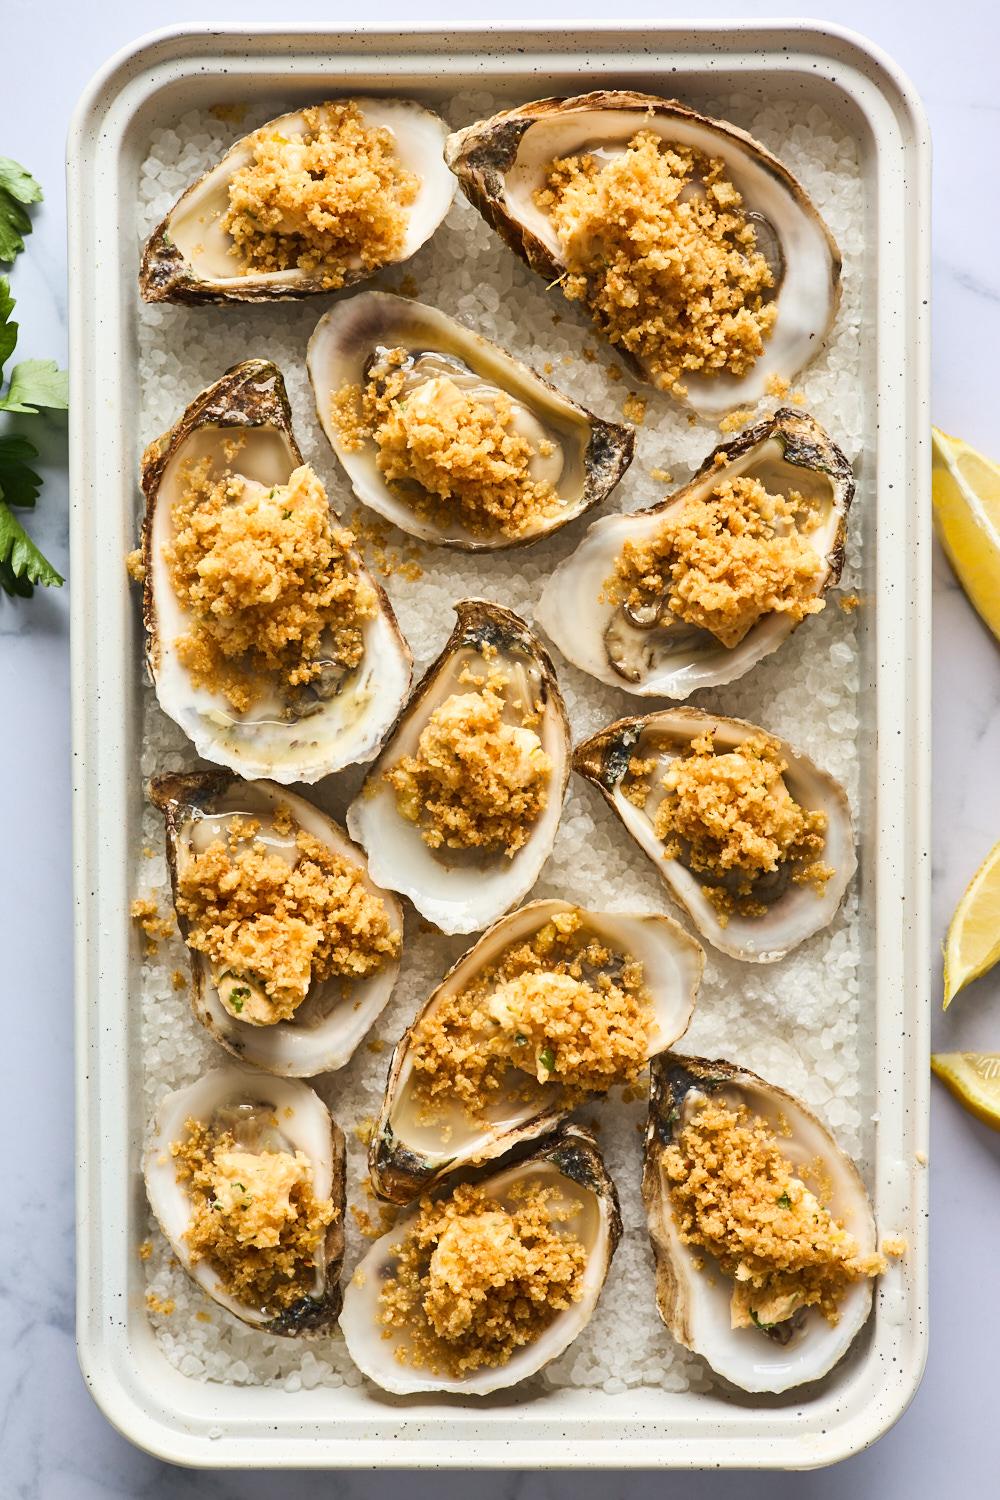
{"x": 794, "y": 1022}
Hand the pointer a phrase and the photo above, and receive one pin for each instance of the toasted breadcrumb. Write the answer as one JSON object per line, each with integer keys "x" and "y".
{"x": 283, "y": 927}
{"x": 145, "y": 912}
{"x": 328, "y": 200}
{"x": 135, "y": 566}
{"x": 894, "y": 1245}
{"x": 735, "y": 420}
{"x": 735, "y": 1195}
{"x": 849, "y": 603}
{"x": 450, "y": 456}
{"x": 722, "y": 561}
{"x": 164, "y": 1307}
{"x": 271, "y": 585}
{"x": 254, "y": 1216}
{"x": 145, "y": 1249}
{"x": 732, "y": 817}
{"x": 475, "y": 1280}
{"x": 178, "y": 979}
{"x": 547, "y": 1007}
{"x": 476, "y": 781}
{"x": 634, "y": 408}
{"x": 657, "y": 244}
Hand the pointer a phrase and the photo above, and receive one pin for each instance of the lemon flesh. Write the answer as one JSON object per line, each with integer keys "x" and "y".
{"x": 973, "y": 944}
{"x": 974, "y": 1079}
{"x": 966, "y": 494}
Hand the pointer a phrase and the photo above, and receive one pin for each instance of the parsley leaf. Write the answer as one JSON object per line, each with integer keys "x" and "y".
{"x": 35, "y": 383}
{"x": 784, "y": 1201}
{"x": 21, "y": 563}
{"x": 19, "y": 485}
{"x": 16, "y": 188}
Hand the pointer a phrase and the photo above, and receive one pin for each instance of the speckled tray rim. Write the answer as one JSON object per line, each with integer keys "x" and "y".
{"x": 207, "y": 1425}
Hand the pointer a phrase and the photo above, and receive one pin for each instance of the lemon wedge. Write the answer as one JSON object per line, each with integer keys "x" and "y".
{"x": 974, "y": 1079}
{"x": 966, "y": 492}
{"x": 973, "y": 944}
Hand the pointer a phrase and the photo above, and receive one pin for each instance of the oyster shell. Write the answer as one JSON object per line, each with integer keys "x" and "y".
{"x": 652, "y": 652}
{"x": 187, "y": 257}
{"x": 591, "y": 455}
{"x": 569, "y": 1161}
{"x": 794, "y": 912}
{"x": 406, "y": 1155}
{"x": 499, "y": 163}
{"x": 692, "y": 1293}
{"x": 339, "y": 719}
{"x": 331, "y": 1021}
{"x": 264, "y": 1114}
{"x": 462, "y": 890}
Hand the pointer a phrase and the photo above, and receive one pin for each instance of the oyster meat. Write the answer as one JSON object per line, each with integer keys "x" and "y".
{"x": 627, "y": 763}
{"x": 326, "y": 1025}
{"x": 268, "y": 1160}
{"x": 194, "y": 256}
{"x": 654, "y": 642}
{"x": 461, "y": 808}
{"x": 448, "y": 376}
{"x": 504, "y": 165}
{"x": 321, "y": 707}
{"x": 637, "y": 961}
{"x": 756, "y": 1324}
{"x": 462, "y": 1335}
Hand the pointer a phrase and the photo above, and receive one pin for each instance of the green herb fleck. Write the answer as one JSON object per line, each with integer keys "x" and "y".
{"x": 784, "y": 1201}
{"x": 758, "y": 1324}
{"x": 548, "y": 1059}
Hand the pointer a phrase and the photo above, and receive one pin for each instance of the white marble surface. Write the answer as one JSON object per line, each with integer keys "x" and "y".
{"x": 54, "y": 1444}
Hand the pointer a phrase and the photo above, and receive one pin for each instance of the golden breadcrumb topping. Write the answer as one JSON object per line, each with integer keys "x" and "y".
{"x": 735, "y": 1195}
{"x": 657, "y": 244}
{"x": 732, "y": 815}
{"x": 476, "y": 782}
{"x": 475, "y": 1280}
{"x": 270, "y": 929}
{"x": 445, "y": 453}
{"x": 725, "y": 560}
{"x": 561, "y": 1006}
{"x": 334, "y": 198}
{"x": 146, "y": 914}
{"x": 135, "y": 566}
{"x": 272, "y": 587}
{"x": 254, "y": 1216}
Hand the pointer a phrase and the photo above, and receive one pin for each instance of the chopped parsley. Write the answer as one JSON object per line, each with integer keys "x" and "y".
{"x": 758, "y": 1324}
{"x": 548, "y": 1059}
{"x": 784, "y": 1201}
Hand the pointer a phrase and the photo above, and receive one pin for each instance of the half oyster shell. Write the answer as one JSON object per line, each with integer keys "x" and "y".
{"x": 692, "y": 1292}
{"x": 264, "y": 1115}
{"x": 340, "y": 718}
{"x": 499, "y": 163}
{"x": 187, "y": 257}
{"x": 568, "y": 1161}
{"x": 335, "y": 1015}
{"x": 653, "y": 652}
{"x": 407, "y": 1156}
{"x": 590, "y": 457}
{"x": 794, "y": 912}
{"x": 462, "y": 890}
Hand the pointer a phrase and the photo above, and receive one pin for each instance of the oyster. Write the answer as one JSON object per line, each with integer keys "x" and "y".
{"x": 501, "y": 164}
{"x": 189, "y": 257}
{"x": 794, "y": 911}
{"x": 692, "y": 1292}
{"x": 326, "y": 1027}
{"x": 408, "y": 1153}
{"x": 580, "y": 1203}
{"x": 241, "y": 426}
{"x": 455, "y": 883}
{"x": 264, "y": 1117}
{"x": 354, "y": 343}
{"x": 647, "y": 648}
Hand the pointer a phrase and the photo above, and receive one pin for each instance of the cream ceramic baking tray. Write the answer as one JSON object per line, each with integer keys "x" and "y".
{"x": 154, "y": 83}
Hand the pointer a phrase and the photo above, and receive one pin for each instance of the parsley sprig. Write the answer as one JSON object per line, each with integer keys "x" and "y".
{"x": 34, "y": 383}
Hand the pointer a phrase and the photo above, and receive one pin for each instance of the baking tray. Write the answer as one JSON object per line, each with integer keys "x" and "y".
{"x": 206, "y": 1425}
